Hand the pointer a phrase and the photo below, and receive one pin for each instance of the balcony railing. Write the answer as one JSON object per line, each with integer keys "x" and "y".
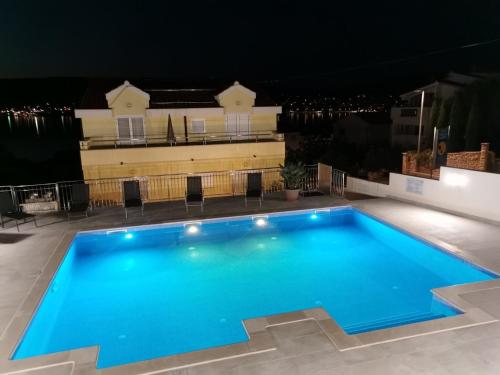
{"x": 191, "y": 139}
{"x": 108, "y": 192}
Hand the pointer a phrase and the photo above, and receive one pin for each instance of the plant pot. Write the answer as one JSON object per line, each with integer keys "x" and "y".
{"x": 292, "y": 195}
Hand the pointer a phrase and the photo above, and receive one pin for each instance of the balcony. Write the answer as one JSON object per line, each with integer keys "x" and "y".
{"x": 161, "y": 140}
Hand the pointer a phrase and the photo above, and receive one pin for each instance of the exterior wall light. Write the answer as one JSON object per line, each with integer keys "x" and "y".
{"x": 455, "y": 179}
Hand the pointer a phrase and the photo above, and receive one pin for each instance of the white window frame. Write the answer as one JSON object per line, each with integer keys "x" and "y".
{"x": 238, "y": 133}
{"x": 131, "y": 140}
{"x": 204, "y": 126}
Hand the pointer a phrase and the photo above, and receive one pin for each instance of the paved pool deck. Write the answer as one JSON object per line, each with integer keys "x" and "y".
{"x": 301, "y": 347}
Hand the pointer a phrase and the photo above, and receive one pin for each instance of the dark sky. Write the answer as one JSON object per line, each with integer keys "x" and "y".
{"x": 248, "y": 39}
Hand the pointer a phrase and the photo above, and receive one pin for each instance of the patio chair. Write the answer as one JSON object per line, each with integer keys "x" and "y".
{"x": 80, "y": 200}
{"x": 9, "y": 209}
{"x": 254, "y": 188}
{"x": 194, "y": 193}
{"x": 132, "y": 196}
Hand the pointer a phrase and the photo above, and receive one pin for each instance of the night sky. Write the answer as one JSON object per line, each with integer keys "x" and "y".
{"x": 297, "y": 42}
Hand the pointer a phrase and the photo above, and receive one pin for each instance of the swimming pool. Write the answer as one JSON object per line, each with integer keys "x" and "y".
{"x": 147, "y": 292}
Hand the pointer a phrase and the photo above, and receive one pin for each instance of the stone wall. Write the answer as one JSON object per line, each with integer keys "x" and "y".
{"x": 411, "y": 167}
{"x": 475, "y": 160}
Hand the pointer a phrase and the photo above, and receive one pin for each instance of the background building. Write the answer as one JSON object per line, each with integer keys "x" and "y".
{"x": 406, "y": 117}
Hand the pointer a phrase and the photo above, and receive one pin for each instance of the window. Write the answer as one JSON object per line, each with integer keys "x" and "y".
{"x": 238, "y": 124}
{"x": 407, "y": 129}
{"x": 198, "y": 126}
{"x": 130, "y": 130}
{"x": 408, "y": 112}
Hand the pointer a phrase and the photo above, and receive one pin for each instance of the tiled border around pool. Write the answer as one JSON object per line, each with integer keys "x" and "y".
{"x": 260, "y": 340}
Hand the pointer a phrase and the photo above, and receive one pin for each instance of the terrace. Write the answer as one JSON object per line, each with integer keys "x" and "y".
{"x": 299, "y": 345}
{"x": 162, "y": 140}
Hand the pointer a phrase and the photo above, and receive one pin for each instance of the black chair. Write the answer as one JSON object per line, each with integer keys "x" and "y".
{"x": 80, "y": 200}
{"x": 9, "y": 209}
{"x": 132, "y": 196}
{"x": 194, "y": 193}
{"x": 254, "y": 188}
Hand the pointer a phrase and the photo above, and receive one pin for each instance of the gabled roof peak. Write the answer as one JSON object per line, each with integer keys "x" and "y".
{"x": 235, "y": 85}
{"x": 113, "y": 94}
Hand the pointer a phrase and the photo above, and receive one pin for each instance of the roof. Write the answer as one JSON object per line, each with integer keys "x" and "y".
{"x": 451, "y": 78}
{"x": 164, "y": 94}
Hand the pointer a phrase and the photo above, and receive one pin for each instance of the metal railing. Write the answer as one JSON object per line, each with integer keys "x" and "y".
{"x": 191, "y": 139}
{"x": 338, "y": 182}
{"x": 108, "y": 192}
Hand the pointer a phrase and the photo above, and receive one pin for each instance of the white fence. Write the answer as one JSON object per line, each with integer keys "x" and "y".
{"x": 459, "y": 190}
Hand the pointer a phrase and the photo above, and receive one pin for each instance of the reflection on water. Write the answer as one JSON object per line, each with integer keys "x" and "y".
{"x": 38, "y": 149}
{"x": 40, "y": 126}
{"x": 301, "y": 119}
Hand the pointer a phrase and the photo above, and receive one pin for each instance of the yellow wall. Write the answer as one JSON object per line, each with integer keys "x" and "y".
{"x": 127, "y": 162}
{"x": 106, "y": 127}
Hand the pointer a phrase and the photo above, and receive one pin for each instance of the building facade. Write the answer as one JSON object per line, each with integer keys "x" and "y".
{"x": 149, "y": 129}
{"x": 406, "y": 117}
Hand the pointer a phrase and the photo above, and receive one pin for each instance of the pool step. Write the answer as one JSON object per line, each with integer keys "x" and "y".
{"x": 391, "y": 322}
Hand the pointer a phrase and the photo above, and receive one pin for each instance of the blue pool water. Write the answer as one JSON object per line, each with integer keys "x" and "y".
{"x": 157, "y": 291}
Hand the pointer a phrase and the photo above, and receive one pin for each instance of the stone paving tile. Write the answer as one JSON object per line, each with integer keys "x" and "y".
{"x": 396, "y": 365}
{"x": 278, "y": 367}
{"x": 305, "y": 344}
{"x": 477, "y": 357}
{"x": 297, "y": 329}
{"x": 313, "y": 363}
{"x": 488, "y": 300}
{"x": 65, "y": 369}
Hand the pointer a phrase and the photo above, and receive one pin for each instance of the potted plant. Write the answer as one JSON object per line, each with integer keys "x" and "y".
{"x": 293, "y": 174}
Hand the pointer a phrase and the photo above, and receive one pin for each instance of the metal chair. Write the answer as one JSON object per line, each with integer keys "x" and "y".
{"x": 194, "y": 193}
{"x": 132, "y": 196}
{"x": 254, "y": 189}
{"x": 80, "y": 200}
{"x": 9, "y": 209}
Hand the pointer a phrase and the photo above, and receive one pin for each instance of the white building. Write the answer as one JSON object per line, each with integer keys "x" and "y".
{"x": 406, "y": 117}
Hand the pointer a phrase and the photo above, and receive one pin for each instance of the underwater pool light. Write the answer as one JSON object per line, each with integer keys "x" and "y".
{"x": 261, "y": 222}
{"x": 193, "y": 229}
{"x": 128, "y": 236}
